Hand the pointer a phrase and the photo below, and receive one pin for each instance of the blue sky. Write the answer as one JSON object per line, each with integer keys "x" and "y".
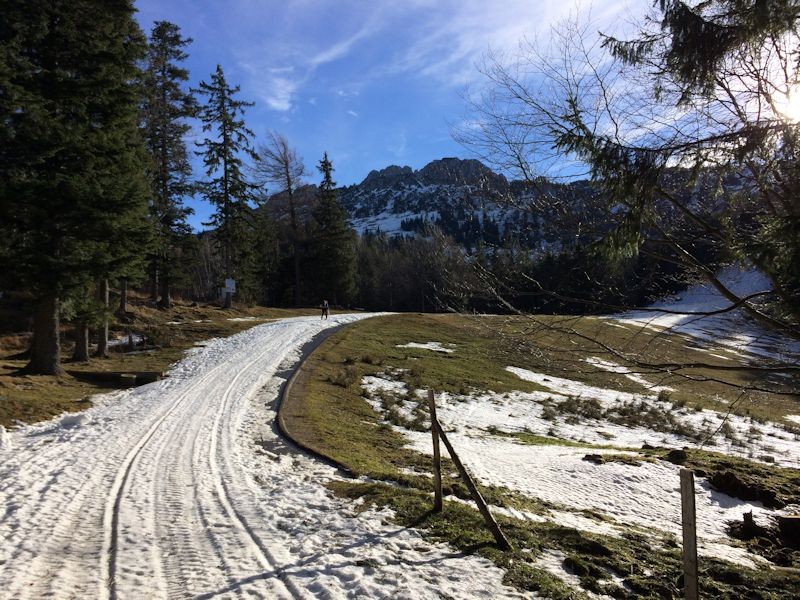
{"x": 371, "y": 82}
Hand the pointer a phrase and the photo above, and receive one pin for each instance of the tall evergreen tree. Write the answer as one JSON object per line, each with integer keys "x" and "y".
{"x": 228, "y": 190}
{"x": 167, "y": 106}
{"x": 73, "y": 192}
{"x": 333, "y": 242}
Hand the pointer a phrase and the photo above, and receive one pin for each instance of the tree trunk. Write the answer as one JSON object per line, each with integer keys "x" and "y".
{"x": 123, "y": 296}
{"x": 46, "y": 345}
{"x": 166, "y": 295}
{"x": 296, "y": 275}
{"x": 154, "y": 288}
{"x": 81, "y": 352}
{"x": 102, "y": 332}
{"x": 228, "y": 300}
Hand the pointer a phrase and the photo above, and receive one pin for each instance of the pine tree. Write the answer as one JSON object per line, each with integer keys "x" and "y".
{"x": 73, "y": 197}
{"x": 333, "y": 242}
{"x": 166, "y": 108}
{"x": 227, "y": 190}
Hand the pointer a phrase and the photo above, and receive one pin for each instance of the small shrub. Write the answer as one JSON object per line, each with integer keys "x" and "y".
{"x": 589, "y": 408}
{"x": 549, "y": 413}
{"x": 664, "y": 395}
{"x": 344, "y": 377}
{"x": 728, "y": 432}
{"x": 678, "y": 404}
{"x": 414, "y": 376}
{"x": 395, "y": 417}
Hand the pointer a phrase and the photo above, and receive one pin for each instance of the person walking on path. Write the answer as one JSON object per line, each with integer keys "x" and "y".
{"x": 325, "y": 309}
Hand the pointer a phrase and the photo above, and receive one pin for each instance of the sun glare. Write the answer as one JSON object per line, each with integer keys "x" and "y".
{"x": 789, "y": 106}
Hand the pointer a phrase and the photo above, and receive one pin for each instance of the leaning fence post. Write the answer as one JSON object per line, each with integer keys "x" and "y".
{"x": 688, "y": 516}
{"x": 437, "y": 458}
{"x": 438, "y": 433}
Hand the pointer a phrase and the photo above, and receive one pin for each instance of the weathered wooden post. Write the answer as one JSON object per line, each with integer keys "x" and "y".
{"x": 690, "y": 590}
{"x": 437, "y": 458}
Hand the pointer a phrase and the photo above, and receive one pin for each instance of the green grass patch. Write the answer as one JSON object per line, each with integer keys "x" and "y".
{"x": 534, "y": 439}
{"x": 559, "y": 345}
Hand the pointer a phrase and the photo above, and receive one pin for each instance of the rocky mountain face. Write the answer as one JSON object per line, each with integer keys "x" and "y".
{"x": 466, "y": 200}
{"x": 470, "y": 202}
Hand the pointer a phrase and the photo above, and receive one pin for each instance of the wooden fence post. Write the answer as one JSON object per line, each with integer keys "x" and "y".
{"x": 690, "y": 589}
{"x": 437, "y": 458}
{"x": 436, "y": 430}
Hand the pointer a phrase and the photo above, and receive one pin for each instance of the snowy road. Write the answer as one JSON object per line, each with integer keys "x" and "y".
{"x": 182, "y": 489}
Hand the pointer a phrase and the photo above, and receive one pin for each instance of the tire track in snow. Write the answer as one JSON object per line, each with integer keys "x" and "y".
{"x": 215, "y": 536}
{"x": 108, "y": 562}
{"x": 225, "y": 499}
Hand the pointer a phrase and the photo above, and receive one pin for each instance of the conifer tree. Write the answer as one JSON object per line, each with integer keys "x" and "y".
{"x": 333, "y": 242}
{"x": 73, "y": 197}
{"x": 167, "y": 106}
{"x": 227, "y": 189}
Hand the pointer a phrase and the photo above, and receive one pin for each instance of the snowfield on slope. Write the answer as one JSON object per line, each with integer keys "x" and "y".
{"x": 732, "y": 331}
{"x": 182, "y": 489}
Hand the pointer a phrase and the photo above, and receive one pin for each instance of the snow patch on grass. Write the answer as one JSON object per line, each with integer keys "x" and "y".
{"x": 646, "y": 496}
{"x": 623, "y": 421}
{"x": 635, "y": 377}
{"x": 509, "y": 440}
{"x": 433, "y": 346}
{"x": 5, "y": 439}
{"x": 552, "y": 561}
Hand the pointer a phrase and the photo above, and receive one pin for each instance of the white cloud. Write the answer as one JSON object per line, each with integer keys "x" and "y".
{"x": 341, "y": 48}
{"x": 352, "y": 113}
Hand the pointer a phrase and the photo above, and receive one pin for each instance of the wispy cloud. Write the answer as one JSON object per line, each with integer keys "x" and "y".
{"x": 352, "y": 113}
{"x": 398, "y": 144}
{"x": 341, "y": 48}
{"x": 457, "y": 33}
{"x": 279, "y": 85}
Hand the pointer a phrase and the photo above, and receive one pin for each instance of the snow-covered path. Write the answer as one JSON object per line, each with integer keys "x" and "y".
{"x": 181, "y": 489}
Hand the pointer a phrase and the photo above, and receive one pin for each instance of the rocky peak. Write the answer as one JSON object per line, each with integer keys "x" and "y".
{"x": 386, "y": 177}
{"x": 455, "y": 171}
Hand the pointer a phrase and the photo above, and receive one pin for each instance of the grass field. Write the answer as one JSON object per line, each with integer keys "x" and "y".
{"x": 329, "y": 412}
